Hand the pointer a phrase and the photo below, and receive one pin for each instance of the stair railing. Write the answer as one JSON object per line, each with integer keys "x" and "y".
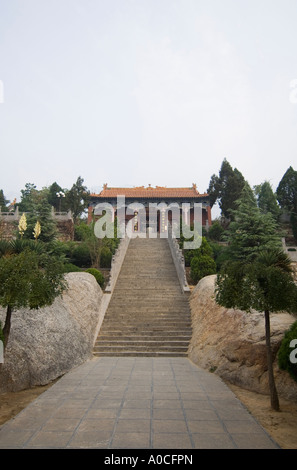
{"x": 178, "y": 259}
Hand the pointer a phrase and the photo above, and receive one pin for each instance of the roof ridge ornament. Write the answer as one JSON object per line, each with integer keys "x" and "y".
{"x": 194, "y": 186}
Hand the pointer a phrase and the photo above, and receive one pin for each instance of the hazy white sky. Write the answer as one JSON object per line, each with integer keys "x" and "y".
{"x": 132, "y": 92}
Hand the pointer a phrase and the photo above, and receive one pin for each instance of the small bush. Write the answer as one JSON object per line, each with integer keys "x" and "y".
{"x": 293, "y": 220}
{"x": 285, "y": 351}
{"x": 215, "y": 231}
{"x": 81, "y": 256}
{"x": 201, "y": 266}
{"x": 71, "y": 268}
{"x": 105, "y": 257}
{"x": 98, "y": 276}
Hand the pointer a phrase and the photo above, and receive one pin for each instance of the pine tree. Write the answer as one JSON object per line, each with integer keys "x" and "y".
{"x": 250, "y": 231}
{"x": 3, "y": 201}
{"x": 226, "y": 188}
{"x": 266, "y": 285}
{"x": 77, "y": 198}
{"x": 287, "y": 191}
{"x": 266, "y": 199}
{"x": 258, "y": 273}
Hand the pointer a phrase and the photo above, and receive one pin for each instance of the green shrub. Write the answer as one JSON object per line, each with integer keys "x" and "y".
{"x": 111, "y": 243}
{"x": 71, "y": 268}
{"x": 82, "y": 231}
{"x": 204, "y": 249}
{"x": 98, "y": 276}
{"x": 293, "y": 220}
{"x": 285, "y": 351}
{"x": 215, "y": 231}
{"x": 221, "y": 255}
{"x": 189, "y": 255}
{"x": 105, "y": 257}
{"x": 81, "y": 256}
{"x": 201, "y": 266}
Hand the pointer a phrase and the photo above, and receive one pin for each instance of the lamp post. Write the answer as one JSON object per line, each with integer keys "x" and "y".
{"x": 60, "y": 194}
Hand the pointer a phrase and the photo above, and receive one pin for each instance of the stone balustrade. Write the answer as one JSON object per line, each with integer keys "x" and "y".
{"x": 178, "y": 259}
{"x": 116, "y": 263}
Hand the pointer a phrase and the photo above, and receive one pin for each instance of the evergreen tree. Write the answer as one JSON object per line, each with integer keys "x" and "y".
{"x": 3, "y": 201}
{"x": 266, "y": 285}
{"x": 287, "y": 191}
{"x": 258, "y": 273}
{"x": 250, "y": 231}
{"x": 266, "y": 199}
{"x": 287, "y": 196}
{"x": 77, "y": 198}
{"x": 226, "y": 188}
{"x": 27, "y": 197}
{"x": 56, "y": 198}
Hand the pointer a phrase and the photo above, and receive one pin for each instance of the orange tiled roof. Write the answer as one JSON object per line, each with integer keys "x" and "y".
{"x": 150, "y": 192}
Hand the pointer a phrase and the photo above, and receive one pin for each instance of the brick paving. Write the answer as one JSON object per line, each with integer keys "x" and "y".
{"x": 136, "y": 403}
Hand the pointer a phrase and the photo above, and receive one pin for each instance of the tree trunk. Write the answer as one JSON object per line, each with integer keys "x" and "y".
{"x": 6, "y": 329}
{"x": 273, "y": 392}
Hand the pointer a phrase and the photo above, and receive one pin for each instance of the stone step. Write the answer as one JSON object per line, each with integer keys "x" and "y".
{"x": 140, "y": 344}
{"x": 129, "y": 353}
{"x": 136, "y": 348}
{"x": 144, "y": 337}
{"x": 140, "y": 310}
{"x": 148, "y": 314}
{"x": 158, "y": 323}
{"x": 154, "y": 330}
{"x": 146, "y": 323}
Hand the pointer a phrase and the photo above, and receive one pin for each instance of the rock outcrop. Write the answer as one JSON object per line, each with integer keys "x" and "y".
{"x": 46, "y": 343}
{"x": 231, "y": 342}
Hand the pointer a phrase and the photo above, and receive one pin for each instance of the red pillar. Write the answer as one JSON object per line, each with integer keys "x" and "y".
{"x": 209, "y": 215}
{"x": 90, "y": 214}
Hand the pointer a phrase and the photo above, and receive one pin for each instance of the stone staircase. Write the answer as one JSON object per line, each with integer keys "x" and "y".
{"x": 148, "y": 314}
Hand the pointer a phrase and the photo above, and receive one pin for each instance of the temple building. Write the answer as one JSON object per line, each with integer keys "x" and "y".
{"x": 149, "y": 196}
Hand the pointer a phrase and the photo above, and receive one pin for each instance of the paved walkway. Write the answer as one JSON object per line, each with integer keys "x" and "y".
{"x": 136, "y": 403}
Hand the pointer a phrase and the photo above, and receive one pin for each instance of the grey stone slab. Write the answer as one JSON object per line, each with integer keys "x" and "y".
{"x": 130, "y": 440}
{"x": 243, "y": 427}
{"x": 202, "y": 414}
{"x": 135, "y": 413}
{"x": 175, "y": 404}
{"x": 172, "y": 441}
{"x": 134, "y": 395}
{"x": 49, "y": 440}
{"x": 102, "y": 413}
{"x": 133, "y": 425}
{"x": 61, "y": 424}
{"x": 206, "y": 426}
{"x": 166, "y": 396}
{"x": 68, "y": 412}
{"x": 14, "y": 438}
{"x": 100, "y": 407}
{"x": 194, "y": 404}
{"x": 168, "y": 413}
{"x": 169, "y": 426}
{"x": 137, "y": 403}
{"x": 253, "y": 441}
{"x": 90, "y": 440}
{"x": 213, "y": 441}
{"x": 106, "y": 403}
